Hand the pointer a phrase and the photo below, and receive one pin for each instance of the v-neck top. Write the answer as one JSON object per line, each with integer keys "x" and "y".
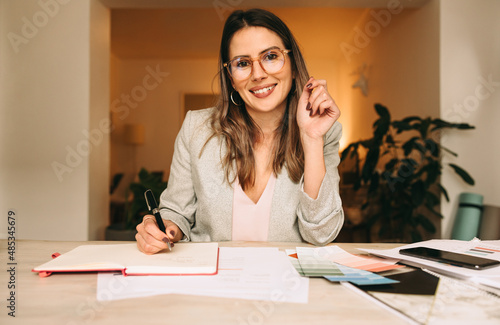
{"x": 251, "y": 220}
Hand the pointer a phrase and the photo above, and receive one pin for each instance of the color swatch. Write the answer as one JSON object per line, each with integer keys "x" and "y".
{"x": 313, "y": 265}
{"x": 360, "y": 277}
{"x": 367, "y": 263}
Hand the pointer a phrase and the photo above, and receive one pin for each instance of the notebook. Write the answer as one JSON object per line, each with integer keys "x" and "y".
{"x": 184, "y": 259}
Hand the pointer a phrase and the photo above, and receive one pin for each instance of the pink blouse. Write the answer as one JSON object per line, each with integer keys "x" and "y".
{"x": 251, "y": 220}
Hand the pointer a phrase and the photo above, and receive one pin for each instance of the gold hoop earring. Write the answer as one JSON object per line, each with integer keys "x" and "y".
{"x": 233, "y": 99}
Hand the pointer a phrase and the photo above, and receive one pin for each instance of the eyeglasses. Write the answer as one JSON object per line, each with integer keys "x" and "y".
{"x": 271, "y": 61}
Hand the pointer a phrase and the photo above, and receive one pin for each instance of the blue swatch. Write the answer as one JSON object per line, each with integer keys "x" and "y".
{"x": 359, "y": 277}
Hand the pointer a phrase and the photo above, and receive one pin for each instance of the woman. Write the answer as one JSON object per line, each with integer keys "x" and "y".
{"x": 262, "y": 164}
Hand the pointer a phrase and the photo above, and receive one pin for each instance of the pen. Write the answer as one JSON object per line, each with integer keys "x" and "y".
{"x": 153, "y": 207}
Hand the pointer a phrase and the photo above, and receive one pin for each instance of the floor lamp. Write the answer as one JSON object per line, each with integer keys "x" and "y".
{"x": 134, "y": 136}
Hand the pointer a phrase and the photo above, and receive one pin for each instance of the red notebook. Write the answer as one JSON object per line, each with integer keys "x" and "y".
{"x": 184, "y": 259}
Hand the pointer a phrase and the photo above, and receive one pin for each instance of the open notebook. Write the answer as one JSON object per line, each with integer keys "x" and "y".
{"x": 184, "y": 259}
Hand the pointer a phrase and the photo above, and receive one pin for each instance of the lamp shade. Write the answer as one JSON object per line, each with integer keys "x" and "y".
{"x": 134, "y": 134}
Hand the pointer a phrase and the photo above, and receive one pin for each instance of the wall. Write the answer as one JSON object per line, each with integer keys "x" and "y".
{"x": 100, "y": 120}
{"x": 400, "y": 48}
{"x": 397, "y": 50}
{"x": 149, "y": 92}
{"x": 470, "y": 93}
{"x": 46, "y": 112}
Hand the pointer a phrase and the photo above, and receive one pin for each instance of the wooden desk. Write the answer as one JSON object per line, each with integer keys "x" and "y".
{"x": 70, "y": 299}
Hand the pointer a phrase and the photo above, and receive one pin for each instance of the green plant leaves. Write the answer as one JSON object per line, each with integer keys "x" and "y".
{"x": 391, "y": 164}
{"x": 426, "y": 223}
{"x": 401, "y": 171}
{"x": 138, "y": 208}
{"x": 383, "y": 112}
{"x": 406, "y": 124}
{"x": 417, "y": 192}
{"x": 440, "y": 124}
{"x": 412, "y": 144}
{"x": 383, "y": 123}
{"x": 374, "y": 182}
{"x": 462, "y": 173}
{"x": 432, "y": 147}
{"x": 371, "y": 161}
{"x": 433, "y": 170}
{"x": 444, "y": 192}
{"x": 352, "y": 148}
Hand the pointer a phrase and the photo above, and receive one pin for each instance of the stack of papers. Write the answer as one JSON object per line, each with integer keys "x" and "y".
{"x": 244, "y": 273}
{"x": 460, "y": 297}
{"x": 489, "y": 249}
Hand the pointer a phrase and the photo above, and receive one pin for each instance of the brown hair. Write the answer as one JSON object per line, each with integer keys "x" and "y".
{"x": 234, "y": 125}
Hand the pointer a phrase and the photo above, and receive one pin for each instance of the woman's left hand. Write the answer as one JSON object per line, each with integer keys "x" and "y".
{"x": 316, "y": 111}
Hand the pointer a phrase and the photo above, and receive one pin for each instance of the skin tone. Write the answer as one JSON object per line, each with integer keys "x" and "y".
{"x": 316, "y": 113}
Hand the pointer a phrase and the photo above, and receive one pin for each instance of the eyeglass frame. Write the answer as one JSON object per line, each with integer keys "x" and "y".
{"x": 284, "y": 51}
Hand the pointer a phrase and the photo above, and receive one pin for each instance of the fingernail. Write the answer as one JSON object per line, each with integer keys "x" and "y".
{"x": 165, "y": 240}
{"x": 172, "y": 233}
{"x": 308, "y": 106}
{"x": 310, "y": 113}
{"x": 309, "y": 85}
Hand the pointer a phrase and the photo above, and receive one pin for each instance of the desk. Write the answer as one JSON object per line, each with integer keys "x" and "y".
{"x": 70, "y": 299}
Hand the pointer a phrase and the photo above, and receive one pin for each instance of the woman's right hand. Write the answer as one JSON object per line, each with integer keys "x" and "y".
{"x": 151, "y": 240}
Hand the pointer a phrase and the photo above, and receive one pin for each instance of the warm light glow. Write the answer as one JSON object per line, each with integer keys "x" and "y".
{"x": 134, "y": 134}
{"x": 343, "y": 143}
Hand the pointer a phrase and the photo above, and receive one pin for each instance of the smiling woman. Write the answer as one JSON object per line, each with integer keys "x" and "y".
{"x": 263, "y": 90}
{"x": 265, "y": 166}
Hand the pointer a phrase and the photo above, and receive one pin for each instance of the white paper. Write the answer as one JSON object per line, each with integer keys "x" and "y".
{"x": 457, "y": 302}
{"x": 244, "y": 272}
{"x": 489, "y": 276}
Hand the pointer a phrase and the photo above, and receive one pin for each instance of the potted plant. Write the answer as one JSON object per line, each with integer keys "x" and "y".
{"x": 137, "y": 208}
{"x": 401, "y": 174}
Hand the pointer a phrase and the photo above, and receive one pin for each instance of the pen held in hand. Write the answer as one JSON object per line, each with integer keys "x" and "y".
{"x": 153, "y": 207}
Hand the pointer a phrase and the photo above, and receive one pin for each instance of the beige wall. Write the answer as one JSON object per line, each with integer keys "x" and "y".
{"x": 470, "y": 52}
{"x": 46, "y": 100}
{"x": 100, "y": 119}
{"x": 401, "y": 54}
{"x": 154, "y": 89}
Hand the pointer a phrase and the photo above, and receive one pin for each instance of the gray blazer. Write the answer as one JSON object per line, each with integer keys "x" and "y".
{"x": 199, "y": 200}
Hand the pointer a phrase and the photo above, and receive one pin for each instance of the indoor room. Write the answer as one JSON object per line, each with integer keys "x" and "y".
{"x": 94, "y": 94}
{"x": 117, "y": 65}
